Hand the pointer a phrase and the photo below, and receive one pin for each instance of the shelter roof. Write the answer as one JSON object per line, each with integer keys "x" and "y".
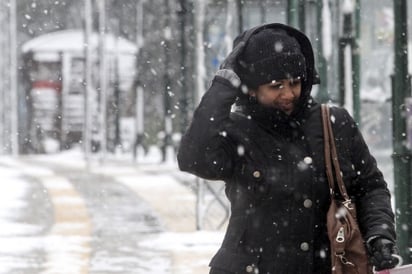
{"x": 72, "y": 41}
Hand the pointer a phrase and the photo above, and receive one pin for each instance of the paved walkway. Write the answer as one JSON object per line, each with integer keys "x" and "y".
{"x": 176, "y": 206}
{"x": 159, "y": 186}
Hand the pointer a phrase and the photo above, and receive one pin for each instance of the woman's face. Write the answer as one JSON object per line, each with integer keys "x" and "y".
{"x": 279, "y": 94}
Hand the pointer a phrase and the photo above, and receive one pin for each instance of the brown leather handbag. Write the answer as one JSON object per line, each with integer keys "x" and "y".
{"x": 348, "y": 251}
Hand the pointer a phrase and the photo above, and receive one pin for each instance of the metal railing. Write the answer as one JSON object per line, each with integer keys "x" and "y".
{"x": 212, "y": 206}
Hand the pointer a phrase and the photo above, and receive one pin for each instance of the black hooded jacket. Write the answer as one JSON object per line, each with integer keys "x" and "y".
{"x": 273, "y": 168}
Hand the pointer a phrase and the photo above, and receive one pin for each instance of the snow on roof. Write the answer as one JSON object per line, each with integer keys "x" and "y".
{"x": 73, "y": 41}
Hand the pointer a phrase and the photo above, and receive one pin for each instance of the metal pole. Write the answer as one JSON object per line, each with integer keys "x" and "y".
{"x": 184, "y": 97}
{"x": 139, "y": 148}
{"x": 346, "y": 41}
{"x": 200, "y": 201}
{"x": 88, "y": 79}
{"x": 356, "y": 63}
{"x": 347, "y": 79}
{"x": 302, "y": 15}
{"x": 350, "y": 59}
{"x": 102, "y": 80}
{"x": 239, "y": 7}
{"x": 341, "y": 71}
{"x": 262, "y": 8}
{"x": 229, "y": 26}
{"x": 66, "y": 72}
{"x": 322, "y": 65}
{"x": 293, "y": 13}
{"x": 168, "y": 124}
{"x": 117, "y": 138}
{"x": 139, "y": 103}
{"x": 200, "y": 7}
{"x": 401, "y": 88}
{"x": 13, "y": 81}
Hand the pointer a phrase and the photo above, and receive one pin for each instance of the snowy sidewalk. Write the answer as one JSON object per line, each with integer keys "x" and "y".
{"x": 158, "y": 186}
{"x": 174, "y": 204}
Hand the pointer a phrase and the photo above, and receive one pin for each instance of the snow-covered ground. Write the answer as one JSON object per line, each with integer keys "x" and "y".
{"x": 61, "y": 215}
{"x": 51, "y": 223}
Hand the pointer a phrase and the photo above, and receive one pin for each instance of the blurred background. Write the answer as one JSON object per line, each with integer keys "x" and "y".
{"x": 114, "y": 75}
{"x": 121, "y": 79}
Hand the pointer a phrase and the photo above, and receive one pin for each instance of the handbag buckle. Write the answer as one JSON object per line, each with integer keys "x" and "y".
{"x": 341, "y": 256}
{"x": 348, "y": 204}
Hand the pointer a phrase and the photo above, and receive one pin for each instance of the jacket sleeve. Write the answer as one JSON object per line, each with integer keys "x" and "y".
{"x": 206, "y": 150}
{"x": 373, "y": 199}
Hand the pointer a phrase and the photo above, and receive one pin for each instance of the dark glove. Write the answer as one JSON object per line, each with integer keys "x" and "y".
{"x": 227, "y": 69}
{"x": 230, "y": 61}
{"x": 381, "y": 251}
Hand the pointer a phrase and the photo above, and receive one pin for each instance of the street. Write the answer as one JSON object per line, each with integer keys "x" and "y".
{"x": 60, "y": 217}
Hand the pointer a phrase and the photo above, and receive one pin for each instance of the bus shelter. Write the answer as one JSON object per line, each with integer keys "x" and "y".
{"x": 54, "y": 69}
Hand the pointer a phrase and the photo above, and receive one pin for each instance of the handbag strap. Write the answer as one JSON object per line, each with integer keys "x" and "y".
{"x": 331, "y": 155}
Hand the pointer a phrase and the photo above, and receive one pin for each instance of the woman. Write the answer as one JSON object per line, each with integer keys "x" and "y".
{"x": 269, "y": 152}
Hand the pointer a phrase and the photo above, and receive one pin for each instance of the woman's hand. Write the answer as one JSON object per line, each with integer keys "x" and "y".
{"x": 230, "y": 61}
{"x": 227, "y": 69}
{"x": 381, "y": 252}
